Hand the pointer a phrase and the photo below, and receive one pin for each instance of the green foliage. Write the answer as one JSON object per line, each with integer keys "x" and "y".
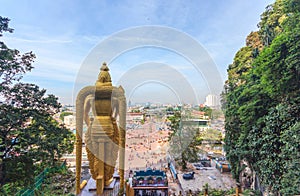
{"x": 170, "y": 109}
{"x": 175, "y": 123}
{"x": 239, "y": 67}
{"x": 183, "y": 141}
{"x": 216, "y": 192}
{"x": 207, "y": 110}
{"x": 16, "y": 168}
{"x": 216, "y": 114}
{"x": 4, "y": 25}
{"x": 291, "y": 156}
{"x": 9, "y": 188}
{"x": 51, "y": 140}
{"x": 271, "y": 22}
{"x": 261, "y": 102}
{"x": 30, "y": 138}
{"x": 270, "y": 152}
{"x": 63, "y": 114}
{"x": 210, "y": 135}
{"x": 136, "y": 111}
{"x": 59, "y": 181}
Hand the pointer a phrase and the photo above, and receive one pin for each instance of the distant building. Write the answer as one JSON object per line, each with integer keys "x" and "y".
{"x": 196, "y": 119}
{"x": 212, "y": 101}
{"x": 68, "y": 107}
{"x": 70, "y": 121}
{"x": 134, "y": 117}
{"x": 169, "y": 113}
{"x": 201, "y": 124}
{"x": 199, "y": 114}
{"x": 129, "y": 103}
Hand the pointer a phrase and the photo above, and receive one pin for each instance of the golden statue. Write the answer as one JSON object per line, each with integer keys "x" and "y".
{"x": 105, "y": 138}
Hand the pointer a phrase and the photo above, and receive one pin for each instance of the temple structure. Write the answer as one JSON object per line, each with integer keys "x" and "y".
{"x": 148, "y": 182}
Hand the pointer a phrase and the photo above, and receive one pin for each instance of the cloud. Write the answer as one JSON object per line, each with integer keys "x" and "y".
{"x": 62, "y": 35}
{"x": 44, "y": 41}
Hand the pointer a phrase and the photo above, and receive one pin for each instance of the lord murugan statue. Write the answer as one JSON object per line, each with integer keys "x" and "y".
{"x": 103, "y": 108}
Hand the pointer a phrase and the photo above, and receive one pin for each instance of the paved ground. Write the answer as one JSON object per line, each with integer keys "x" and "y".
{"x": 212, "y": 176}
{"x": 92, "y": 184}
{"x": 146, "y": 146}
{"x": 174, "y": 186}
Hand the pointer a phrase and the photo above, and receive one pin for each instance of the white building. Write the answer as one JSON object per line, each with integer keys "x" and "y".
{"x": 212, "y": 101}
{"x": 70, "y": 121}
{"x": 134, "y": 117}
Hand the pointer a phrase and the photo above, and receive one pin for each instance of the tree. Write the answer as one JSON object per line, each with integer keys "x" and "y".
{"x": 183, "y": 141}
{"x": 211, "y": 135}
{"x": 29, "y": 136}
{"x": 272, "y": 160}
{"x": 271, "y": 21}
{"x": 63, "y": 114}
{"x": 291, "y": 155}
{"x": 207, "y": 111}
{"x": 261, "y": 101}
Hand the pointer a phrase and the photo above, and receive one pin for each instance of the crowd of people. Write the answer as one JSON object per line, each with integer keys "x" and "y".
{"x": 146, "y": 146}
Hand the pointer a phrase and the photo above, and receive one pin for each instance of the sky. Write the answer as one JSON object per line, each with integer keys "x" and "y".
{"x": 159, "y": 51}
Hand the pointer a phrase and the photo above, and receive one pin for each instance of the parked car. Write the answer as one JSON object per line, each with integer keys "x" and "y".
{"x": 201, "y": 168}
{"x": 212, "y": 177}
{"x": 188, "y": 176}
{"x": 198, "y": 165}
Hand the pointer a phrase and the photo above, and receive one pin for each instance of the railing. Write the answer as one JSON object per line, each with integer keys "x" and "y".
{"x": 38, "y": 181}
{"x": 173, "y": 171}
{"x": 139, "y": 183}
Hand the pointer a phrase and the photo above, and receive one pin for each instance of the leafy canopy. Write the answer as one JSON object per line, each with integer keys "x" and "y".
{"x": 261, "y": 101}
{"x": 30, "y": 138}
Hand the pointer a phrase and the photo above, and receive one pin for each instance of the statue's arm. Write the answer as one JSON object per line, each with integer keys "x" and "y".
{"x": 87, "y": 108}
{"x": 115, "y": 108}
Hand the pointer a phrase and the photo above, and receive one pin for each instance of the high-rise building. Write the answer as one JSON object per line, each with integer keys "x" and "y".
{"x": 212, "y": 101}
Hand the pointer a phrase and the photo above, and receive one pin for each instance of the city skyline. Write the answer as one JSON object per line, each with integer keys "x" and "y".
{"x": 63, "y": 34}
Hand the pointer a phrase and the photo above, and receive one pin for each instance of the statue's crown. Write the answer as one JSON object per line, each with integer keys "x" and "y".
{"x": 104, "y": 67}
{"x": 104, "y": 78}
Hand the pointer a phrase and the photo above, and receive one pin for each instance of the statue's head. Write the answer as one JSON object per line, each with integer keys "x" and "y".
{"x": 104, "y": 78}
{"x": 104, "y": 67}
